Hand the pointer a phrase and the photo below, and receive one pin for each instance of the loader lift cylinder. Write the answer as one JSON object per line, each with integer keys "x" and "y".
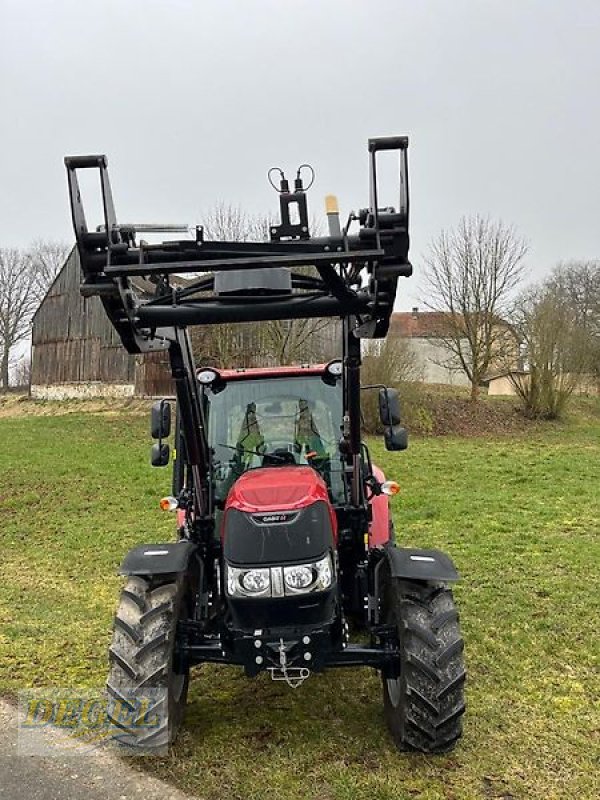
{"x": 192, "y": 417}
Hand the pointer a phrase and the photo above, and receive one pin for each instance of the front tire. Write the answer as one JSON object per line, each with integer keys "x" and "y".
{"x": 424, "y": 706}
{"x": 143, "y": 657}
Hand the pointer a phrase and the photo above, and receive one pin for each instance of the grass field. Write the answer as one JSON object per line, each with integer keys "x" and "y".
{"x": 521, "y": 518}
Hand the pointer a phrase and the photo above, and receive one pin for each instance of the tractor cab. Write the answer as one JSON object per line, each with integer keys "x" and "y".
{"x": 277, "y": 417}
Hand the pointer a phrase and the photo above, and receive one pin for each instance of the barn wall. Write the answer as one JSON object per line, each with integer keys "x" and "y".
{"x": 153, "y": 375}
{"x": 76, "y": 352}
{"x": 64, "y": 314}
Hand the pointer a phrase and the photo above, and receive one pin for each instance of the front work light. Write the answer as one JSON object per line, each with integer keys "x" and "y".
{"x": 207, "y": 376}
{"x": 334, "y": 368}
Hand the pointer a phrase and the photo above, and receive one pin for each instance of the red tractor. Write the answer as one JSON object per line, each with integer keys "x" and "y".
{"x": 284, "y": 530}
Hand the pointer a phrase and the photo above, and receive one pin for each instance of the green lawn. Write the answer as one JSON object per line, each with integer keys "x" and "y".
{"x": 521, "y": 518}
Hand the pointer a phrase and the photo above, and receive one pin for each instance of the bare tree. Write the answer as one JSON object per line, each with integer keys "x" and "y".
{"x": 558, "y": 351}
{"x": 390, "y": 361}
{"x": 227, "y": 222}
{"x": 245, "y": 344}
{"x": 471, "y": 273}
{"x": 19, "y": 297}
{"x": 48, "y": 259}
{"x": 22, "y": 373}
{"x": 577, "y": 283}
{"x": 294, "y": 340}
{"x": 24, "y": 278}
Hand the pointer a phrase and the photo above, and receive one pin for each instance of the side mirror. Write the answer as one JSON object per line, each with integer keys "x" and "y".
{"x": 396, "y": 438}
{"x": 389, "y": 407}
{"x": 160, "y": 420}
{"x": 160, "y": 454}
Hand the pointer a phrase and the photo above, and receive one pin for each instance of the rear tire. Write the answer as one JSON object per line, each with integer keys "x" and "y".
{"x": 424, "y": 706}
{"x": 142, "y": 657}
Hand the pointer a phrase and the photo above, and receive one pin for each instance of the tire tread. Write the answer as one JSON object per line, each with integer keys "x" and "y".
{"x": 428, "y": 715}
{"x": 141, "y": 656}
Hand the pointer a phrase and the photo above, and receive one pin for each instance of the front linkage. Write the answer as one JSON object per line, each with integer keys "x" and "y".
{"x": 228, "y": 592}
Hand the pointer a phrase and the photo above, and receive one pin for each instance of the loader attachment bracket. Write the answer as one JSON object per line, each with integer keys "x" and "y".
{"x": 352, "y": 274}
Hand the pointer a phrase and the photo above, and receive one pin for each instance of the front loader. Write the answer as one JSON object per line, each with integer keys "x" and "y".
{"x": 284, "y": 535}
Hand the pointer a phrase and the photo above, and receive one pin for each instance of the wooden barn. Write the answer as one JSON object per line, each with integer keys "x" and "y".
{"x": 77, "y": 353}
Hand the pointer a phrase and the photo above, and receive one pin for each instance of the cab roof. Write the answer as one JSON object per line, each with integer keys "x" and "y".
{"x": 251, "y": 373}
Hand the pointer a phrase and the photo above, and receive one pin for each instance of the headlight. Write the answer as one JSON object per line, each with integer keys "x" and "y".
{"x": 249, "y": 582}
{"x": 297, "y": 579}
{"x": 256, "y": 581}
{"x": 266, "y": 581}
{"x": 308, "y": 577}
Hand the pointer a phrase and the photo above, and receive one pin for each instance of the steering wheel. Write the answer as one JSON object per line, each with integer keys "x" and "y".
{"x": 278, "y": 453}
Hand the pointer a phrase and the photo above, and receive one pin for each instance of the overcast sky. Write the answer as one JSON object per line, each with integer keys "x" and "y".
{"x": 192, "y": 101}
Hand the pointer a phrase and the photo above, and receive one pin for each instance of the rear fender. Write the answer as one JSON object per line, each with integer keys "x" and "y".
{"x": 171, "y": 558}
{"x": 379, "y": 527}
{"x": 420, "y": 565}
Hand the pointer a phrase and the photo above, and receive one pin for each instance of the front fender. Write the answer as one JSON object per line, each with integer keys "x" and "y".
{"x": 420, "y": 565}
{"x": 158, "y": 559}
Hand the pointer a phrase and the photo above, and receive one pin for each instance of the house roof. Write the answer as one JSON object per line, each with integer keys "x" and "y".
{"x": 419, "y": 324}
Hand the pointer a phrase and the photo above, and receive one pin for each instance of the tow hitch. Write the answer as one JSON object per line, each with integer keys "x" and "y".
{"x": 293, "y": 676}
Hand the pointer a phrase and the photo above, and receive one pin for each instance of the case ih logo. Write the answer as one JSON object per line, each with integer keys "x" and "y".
{"x": 273, "y": 519}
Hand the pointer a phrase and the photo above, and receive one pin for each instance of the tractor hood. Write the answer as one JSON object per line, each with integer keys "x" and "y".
{"x": 277, "y": 489}
{"x": 278, "y": 515}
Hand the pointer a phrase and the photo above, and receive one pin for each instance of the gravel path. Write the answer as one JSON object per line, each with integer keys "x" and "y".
{"x": 83, "y": 777}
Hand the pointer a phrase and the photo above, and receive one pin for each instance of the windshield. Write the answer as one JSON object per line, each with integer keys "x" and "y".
{"x": 255, "y": 423}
